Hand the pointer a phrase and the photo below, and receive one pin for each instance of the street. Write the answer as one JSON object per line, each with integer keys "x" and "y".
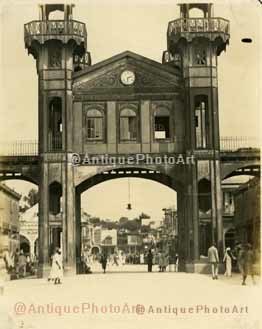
{"x": 131, "y": 300}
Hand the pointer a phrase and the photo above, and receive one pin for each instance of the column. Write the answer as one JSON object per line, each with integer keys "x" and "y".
{"x": 43, "y": 223}
{"x": 78, "y": 230}
{"x": 68, "y": 218}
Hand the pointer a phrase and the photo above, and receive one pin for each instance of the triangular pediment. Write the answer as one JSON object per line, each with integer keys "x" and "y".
{"x": 149, "y": 75}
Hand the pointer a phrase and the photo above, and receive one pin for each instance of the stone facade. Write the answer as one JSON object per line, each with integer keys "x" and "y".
{"x": 9, "y": 219}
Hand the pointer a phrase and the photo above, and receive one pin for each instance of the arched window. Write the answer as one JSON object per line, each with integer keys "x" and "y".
{"x": 128, "y": 125}
{"x": 55, "y": 124}
{"x": 161, "y": 123}
{"x": 201, "y": 121}
{"x": 204, "y": 195}
{"x": 94, "y": 124}
{"x": 55, "y": 195}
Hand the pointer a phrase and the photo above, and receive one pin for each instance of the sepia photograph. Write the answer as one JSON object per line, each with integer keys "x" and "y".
{"x": 130, "y": 164}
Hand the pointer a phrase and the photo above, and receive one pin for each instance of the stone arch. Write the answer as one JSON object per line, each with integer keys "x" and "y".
{"x": 236, "y": 169}
{"x": 196, "y": 12}
{"x": 25, "y": 244}
{"x": 229, "y": 237}
{"x": 22, "y": 177}
{"x": 103, "y": 175}
{"x": 151, "y": 173}
{"x": 95, "y": 250}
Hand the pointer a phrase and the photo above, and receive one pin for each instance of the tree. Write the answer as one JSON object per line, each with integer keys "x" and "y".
{"x": 94, "y": 220}
{"x": 32, "y": 197}
{"x": 144, "y": 216}
{"x": 29, "y": 200}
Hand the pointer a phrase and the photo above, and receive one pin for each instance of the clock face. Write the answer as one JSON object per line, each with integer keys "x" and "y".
{"x": 128, "y": 77}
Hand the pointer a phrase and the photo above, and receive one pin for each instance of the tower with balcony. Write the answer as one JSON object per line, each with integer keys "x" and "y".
{"x": 58, "y": 44}
{"x": 198, "y": 38}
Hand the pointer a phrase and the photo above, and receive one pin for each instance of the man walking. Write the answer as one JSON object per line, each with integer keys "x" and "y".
{"x": 213, "y": 260}
{"x": 149, "y": 260}
{"x": 246, "y": 263}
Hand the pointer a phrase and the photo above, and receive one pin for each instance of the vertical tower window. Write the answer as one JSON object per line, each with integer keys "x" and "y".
{"x": 201, "y": 121}
{"x": 55, "y": 124}
{"x": 55, "y": 55}
{"x": 55, "y": 194}
{"x": 128, "y": 125}
{"x": 94, "y": 124}
{"x": 200, "y": 56}
{"x": 162, "y": 123}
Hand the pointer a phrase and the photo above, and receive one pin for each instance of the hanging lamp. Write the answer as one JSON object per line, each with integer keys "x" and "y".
{"x": 129, "y": 205}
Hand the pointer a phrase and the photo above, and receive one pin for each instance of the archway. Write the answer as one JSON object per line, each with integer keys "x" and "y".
{"x": 25, "y": 245}
{"x": 230, "y": 238}
{"x": 125, "y": 231}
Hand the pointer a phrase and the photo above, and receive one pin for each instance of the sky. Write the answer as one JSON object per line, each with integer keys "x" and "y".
{"x": 139, "y": 26}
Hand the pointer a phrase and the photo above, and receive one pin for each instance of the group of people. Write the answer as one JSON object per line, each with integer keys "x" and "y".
{"x": 18, "y": 265}
{"x": 163, "y": 259}
{"x": 243, "y": 255}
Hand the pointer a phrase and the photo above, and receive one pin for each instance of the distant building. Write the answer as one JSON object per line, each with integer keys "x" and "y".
{"x": 9, "y": 219}
{"x": 247, "y": 213}
{"x": 100, "y": 238}
{"x": 170, "y": 221}
{"x": 228, "y": 214}
{"x": 29, "y": 230}
{"x": 134, "y": 242}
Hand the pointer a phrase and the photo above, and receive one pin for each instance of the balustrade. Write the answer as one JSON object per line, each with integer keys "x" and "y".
{"x": 198, "y": 25}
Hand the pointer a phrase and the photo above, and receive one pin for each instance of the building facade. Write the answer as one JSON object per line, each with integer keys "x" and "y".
{"x": 125, "y": 106}
{"x": 29, "y": 231}
{"x": 247, "y": 213}
{"x": 9, "y": 219}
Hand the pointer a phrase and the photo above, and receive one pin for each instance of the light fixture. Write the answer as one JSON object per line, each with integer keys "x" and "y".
{"x": 129, "y": 206}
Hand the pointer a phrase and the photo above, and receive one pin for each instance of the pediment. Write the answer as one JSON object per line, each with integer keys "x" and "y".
{"x": 149, "y": 75}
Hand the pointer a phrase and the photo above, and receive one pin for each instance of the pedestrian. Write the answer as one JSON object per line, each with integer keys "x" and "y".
{"x": 166, "y": 261}
{"x": 103, "y": 261}
{"x": 52, "y": 271}
{"x": 176, "y": 262}
{"x": 16, "y": 263}
{"x": 213, "y": 260}
{"x": 22, "y": 264}
{"x": 57, "y": 267}
{"x": 149, "y": 260}
{"x": 228, "y": 258}
{"x": 86, "y": 261}
{"x": 246, "y": 259}
{"x": 8, "y": 261}
{"x": 142, "y": 258}
{"x": 115, "y": 259}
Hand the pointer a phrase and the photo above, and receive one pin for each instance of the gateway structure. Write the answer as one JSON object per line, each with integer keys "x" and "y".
{"x": 125, "y": 105}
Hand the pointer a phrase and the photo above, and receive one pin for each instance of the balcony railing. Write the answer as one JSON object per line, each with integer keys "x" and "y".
{"x": 219, "y": 25}
{"x": 58, "y": 27}
{"x": 19, "y": 148}
{"x": 238, "y": 143}
{"x": 30, "y": 148}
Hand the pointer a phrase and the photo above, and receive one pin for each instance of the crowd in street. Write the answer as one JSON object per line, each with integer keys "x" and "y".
{"x": 19, "y": 264}
{"x": 162, "y": 259}
{"x": 243, "y": 256}
{"x": 241, "y": 259}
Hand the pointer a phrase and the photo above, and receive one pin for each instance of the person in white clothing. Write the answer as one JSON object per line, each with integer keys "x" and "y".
{"x": 228, "y": 257}
{"x": 57, "y": 267}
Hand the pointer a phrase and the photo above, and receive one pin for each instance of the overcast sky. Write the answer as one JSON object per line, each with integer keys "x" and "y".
{"x": 138, "y": 26}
